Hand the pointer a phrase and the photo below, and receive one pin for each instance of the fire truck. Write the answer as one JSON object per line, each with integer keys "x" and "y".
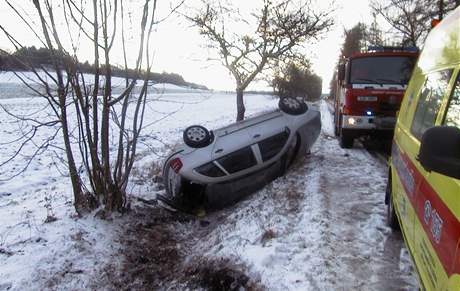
{"x": 370, "y": 88}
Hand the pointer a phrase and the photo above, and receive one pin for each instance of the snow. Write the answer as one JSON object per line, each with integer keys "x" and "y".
{"x": 327, "y": 121}
{"x": 326, "y": 226}
{"x": 34, "y": 252}
{"x": 321, "y": 227}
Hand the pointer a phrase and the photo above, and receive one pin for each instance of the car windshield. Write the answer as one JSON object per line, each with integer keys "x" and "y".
{"x": 381, "y": 70}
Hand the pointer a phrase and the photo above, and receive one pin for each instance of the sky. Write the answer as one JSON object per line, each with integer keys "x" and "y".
{"x": 177, "y": 47}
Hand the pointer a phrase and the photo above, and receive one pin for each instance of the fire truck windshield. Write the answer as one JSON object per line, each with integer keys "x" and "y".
{"x": 381, "y": 70}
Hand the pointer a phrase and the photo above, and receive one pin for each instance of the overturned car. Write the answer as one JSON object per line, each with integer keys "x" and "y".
{"x": 216, "y": 168}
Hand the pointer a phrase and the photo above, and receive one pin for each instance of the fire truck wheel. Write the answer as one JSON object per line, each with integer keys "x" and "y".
{"x": 392, "y": 220}
{"x": 336, "y": 128}
{"x": 346, "y": 140}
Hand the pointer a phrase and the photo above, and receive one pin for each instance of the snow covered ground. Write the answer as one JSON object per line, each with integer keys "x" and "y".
{"x": 321, "y": 227}
{"x": 36, "y": 254}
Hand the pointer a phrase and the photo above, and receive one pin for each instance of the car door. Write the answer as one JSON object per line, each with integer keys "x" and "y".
{"x": 229, "y": 140}
{"x": 436, "y": 228}
{"x": 405, "y": 179}
{"x": 240, "y": 178}
{"x": 269, "y": 134}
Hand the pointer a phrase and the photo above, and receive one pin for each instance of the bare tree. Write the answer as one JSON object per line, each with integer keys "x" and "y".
{"x": 407, "y": 17}
{"x": 411, "y": 19}
{"x": 273, "y": 31}
{"x": 99, "y": 127}
{"x": 374, "y": 34}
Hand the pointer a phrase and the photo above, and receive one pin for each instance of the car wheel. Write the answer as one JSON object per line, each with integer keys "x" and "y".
{"x": 292, "y": 106}
{"x": 392, "y": 220}
{"x": 197, "y": 136}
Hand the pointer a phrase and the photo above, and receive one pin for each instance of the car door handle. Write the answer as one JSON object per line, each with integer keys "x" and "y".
{"x": 219, "y": 151}
{"x": 256, "y": 136}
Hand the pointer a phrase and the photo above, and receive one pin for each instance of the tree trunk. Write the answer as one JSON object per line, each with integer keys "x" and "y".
{"x": 80, "y": 203}
{"x": 441, "y": 9}
{"x": 239, "y": 105}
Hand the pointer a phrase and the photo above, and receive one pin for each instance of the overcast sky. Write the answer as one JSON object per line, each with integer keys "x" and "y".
{"x": 179, "y": 48}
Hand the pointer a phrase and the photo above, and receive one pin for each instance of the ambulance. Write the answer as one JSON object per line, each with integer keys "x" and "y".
{"x": 423, "y": 190}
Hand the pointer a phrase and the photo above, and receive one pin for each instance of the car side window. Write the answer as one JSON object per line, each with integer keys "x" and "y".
{"x": 238, "y": 161}
{"x": 210, "y": 170}
{"x": 453, "y": 109}
{"x": 271, "y": 146}
{"x": 429, "y": 102}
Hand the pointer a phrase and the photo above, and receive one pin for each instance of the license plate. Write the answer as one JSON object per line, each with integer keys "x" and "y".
{"x": 367, "y": 98}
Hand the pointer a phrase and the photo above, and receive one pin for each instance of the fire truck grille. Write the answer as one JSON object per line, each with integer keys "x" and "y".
{"x": 385, "y": 106}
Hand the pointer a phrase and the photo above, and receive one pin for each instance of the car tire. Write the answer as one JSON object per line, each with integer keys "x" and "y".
{"x": 292, "y": 106}
{"x": 197, "y": 136}
{"x": 392, "y": 219}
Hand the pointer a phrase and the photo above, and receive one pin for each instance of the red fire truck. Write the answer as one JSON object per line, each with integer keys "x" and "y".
{"x": 370, "y": 88}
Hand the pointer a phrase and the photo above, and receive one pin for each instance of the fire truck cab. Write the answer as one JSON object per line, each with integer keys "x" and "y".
{"x": 370, "y": 89}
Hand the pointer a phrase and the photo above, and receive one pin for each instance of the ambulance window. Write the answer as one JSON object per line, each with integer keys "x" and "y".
{"x": 453, "y": 110}
{"x": 429, "y": 101}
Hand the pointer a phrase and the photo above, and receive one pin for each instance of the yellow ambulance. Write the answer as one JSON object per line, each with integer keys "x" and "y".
{"x": 423, "y": 191}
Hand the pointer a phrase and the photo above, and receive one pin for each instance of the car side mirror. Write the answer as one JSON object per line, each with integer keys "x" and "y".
{"x": 341, "y": 72}
{"x": 440, "y": 150}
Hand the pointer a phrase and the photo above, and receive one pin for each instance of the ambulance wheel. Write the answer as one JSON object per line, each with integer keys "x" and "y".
{"x": 392, "y": 219}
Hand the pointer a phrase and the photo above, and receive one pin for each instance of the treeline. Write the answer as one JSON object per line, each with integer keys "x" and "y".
{"x": 297, "y": 79}
{"x": 26, "y": 58}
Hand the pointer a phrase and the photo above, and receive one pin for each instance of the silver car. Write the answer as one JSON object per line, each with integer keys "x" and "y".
{"x": 219, "y": 167}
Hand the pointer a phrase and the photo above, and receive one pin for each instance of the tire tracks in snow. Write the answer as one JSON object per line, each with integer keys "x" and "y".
{"x": 360, "y": 252}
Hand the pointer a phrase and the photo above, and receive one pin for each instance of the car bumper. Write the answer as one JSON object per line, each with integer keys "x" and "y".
{"x": 368, "y": 122}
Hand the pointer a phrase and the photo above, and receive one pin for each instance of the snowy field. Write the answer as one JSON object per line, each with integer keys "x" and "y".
{"x": 321, "y": 227}
{"x": 32, "y": 250}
